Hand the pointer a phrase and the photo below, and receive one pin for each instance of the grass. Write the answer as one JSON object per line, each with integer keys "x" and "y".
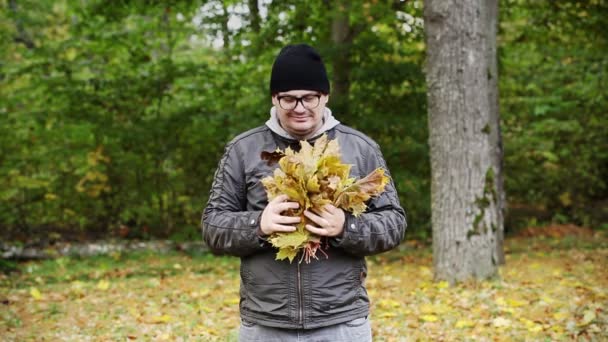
{"x": 550, "y": 289}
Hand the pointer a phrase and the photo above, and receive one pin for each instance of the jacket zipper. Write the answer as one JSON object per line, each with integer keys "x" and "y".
{"x": 300, "y": 299}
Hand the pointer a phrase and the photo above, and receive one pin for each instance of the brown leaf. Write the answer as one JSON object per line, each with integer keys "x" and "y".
{"x": 271, "y": 158}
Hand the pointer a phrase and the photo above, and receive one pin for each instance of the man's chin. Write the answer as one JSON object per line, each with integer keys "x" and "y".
{"x": 300, "y": 133}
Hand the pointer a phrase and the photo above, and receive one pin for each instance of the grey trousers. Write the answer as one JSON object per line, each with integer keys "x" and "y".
{"x": 358, "y": 330}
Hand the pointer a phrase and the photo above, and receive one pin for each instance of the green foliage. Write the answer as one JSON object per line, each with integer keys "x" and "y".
{"x": 553, "y": 105}
{"x": 117, "y": 115}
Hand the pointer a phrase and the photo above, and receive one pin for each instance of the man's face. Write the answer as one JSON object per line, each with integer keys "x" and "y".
{"x": 300, "y": 112}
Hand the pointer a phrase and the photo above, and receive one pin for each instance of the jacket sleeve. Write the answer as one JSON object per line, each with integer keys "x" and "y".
{"x": 381, "y": 227}
{"x": 226, "y": 225}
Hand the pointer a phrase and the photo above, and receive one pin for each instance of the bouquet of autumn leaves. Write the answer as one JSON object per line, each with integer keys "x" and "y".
{"x": 313, "y": 177}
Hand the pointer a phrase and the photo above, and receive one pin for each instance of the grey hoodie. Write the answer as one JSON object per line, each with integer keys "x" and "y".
{"x": 273, "y": 123}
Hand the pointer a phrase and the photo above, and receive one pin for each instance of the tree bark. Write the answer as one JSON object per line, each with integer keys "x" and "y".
{"x": 462, "y": 128}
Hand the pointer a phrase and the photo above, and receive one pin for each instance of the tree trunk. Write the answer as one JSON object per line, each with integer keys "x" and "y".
{"x": 342, "y": 38}
{"x": 225, "y": 33}
{"x": 463, "y": 143}
{"x": 254, "y": 15}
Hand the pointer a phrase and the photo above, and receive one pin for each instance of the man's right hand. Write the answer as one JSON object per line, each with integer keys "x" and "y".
{"x": 272, "y": 221}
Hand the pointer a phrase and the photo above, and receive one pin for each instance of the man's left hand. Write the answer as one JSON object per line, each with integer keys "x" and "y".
{"x": 329, "y": 221}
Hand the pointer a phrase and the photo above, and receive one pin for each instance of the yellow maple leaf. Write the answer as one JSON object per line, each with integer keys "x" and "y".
{"x": 429, "y": 318}
{"x": 443, "y": 285}
{"x": 35, "y": 293}
{"x": 389, "y": 304}
{"x": 516, "y": 302}
{"x": 312, "y": 185}
{"x": 427, "y": 308}
{"x": 464, "y": 324}
{"x": 103, "y": 285}
{"x": 232, "y": 301}
{"x": 561, "y": 315}
{"x": 425, "y": 270}
{"x": 159, "y": 319}
{"x": 294, "y": 239}
{"x": 388, "y": 314}
{"x": 286, "y": 253}
{"x": 353, "y": 197}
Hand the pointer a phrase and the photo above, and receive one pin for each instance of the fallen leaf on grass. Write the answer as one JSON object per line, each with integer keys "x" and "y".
{"x": 516, "y": 303}
{"x": 464, "y": 324}
{"x": 156, "y": 319}
{"x": 587, "y": 318}
{"x": 103, "y": 285}
{"x": 429, "y": 318}
{"x": 35, "y": 293}
{"x": 134, "y": 312}
{"x": 203, "y": 330}
{"x": 561, "y": 315}
{"x": 530, "y": 325}
{"x": 387, "y": 314}
{"x": 232, "y": 301}
{"x": 500, "y": 322}
{"x": 443, "y": 285}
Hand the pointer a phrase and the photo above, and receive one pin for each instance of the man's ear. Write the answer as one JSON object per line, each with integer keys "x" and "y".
{"x": 275, "y": 102}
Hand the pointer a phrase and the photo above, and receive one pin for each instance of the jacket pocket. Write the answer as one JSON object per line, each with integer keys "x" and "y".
{"x": 336, "y": 285}
{"x": 263, "y": 289}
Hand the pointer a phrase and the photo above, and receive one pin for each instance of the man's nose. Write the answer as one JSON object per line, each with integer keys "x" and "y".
{"x": 299, "y": 107}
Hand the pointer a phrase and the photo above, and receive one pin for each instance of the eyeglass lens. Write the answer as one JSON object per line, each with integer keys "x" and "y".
{"x": 291, "y": 102}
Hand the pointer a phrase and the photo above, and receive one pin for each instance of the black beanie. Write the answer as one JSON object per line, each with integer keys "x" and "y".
{"x": 298, "y": 67}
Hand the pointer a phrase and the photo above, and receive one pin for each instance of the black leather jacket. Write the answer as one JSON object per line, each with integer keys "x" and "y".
{"x": 298, "y": 295}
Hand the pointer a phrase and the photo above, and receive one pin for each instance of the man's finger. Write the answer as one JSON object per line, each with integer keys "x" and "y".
{"x": 283, "y": 228}
{"x": 287, "y": 219}
{"x": 330, "y": 208}
{"x": 316, "y": 219}
{"x": 316, "y": 230}
{"x": 281, "y": 207}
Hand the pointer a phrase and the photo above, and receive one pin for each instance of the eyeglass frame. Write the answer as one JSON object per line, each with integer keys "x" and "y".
{"x": 299, "y": 99}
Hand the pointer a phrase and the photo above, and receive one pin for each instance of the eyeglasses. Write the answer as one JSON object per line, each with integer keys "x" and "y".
{"x": 289, "y": 102}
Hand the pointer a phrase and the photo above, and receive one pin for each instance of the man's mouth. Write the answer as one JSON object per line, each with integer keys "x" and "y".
{"x": 299, "y": 117}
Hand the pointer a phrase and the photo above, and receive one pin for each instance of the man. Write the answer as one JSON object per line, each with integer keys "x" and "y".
{"x": 326, "y": 299}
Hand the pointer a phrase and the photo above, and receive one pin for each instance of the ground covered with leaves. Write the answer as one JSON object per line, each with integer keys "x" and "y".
{"x": 549, "y": 290}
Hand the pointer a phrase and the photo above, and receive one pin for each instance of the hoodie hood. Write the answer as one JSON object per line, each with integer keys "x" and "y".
{"x": 329, "y": 122}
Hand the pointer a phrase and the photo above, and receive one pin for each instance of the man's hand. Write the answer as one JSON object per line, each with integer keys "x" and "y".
{"x": 272, "y": 221}
{"x": 330, "y": 221}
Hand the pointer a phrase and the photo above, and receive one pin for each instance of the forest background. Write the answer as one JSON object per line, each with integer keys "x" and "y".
{"x": 113, "y": 117}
